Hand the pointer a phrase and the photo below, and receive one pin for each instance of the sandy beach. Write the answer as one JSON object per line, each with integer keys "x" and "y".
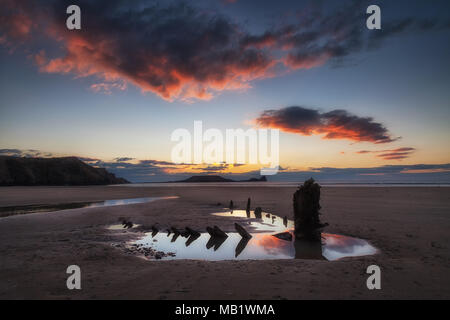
{"x": 408, "y": 225}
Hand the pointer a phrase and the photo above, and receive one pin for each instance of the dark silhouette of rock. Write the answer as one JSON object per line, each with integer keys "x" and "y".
{"x": 258, "y": 212}
{"x": 268, "y": 215}
{"x": 262, "y": 179}
{"x": 243, "y": 233}
{"x": 284, "y": 236}
{"x": 231, "y": 205}
{"x": 206, "y": 179}
{"x": 241, "y": 246}
{"x": 175, "y": 230}
{"x": 212, "y": 178}
{"x": 285, "y": 221}
{"x": 168, "y": 232}
{"x": 306, "y": 211}
{"x": 16, "y": 171}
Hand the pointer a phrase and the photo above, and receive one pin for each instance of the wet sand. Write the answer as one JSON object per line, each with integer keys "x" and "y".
{"x": 409, "y": 225}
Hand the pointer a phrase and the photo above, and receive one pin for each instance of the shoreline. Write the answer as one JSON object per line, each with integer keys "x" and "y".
{"x": 408, "y": 225}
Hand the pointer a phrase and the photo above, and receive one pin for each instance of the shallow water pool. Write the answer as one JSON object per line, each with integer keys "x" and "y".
{"x": 262, "y": 245}
{"x": 15, "y": 210}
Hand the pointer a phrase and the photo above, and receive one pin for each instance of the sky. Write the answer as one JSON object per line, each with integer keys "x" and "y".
{"x": 350, "y": 103}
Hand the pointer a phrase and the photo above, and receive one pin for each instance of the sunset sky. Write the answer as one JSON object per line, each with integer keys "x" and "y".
{"x": 344, "y": 97}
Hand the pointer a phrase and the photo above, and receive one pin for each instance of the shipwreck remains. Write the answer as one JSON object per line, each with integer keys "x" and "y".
{"x": 192, "y": 232}
{"x": 258, "y": 213}
{"x": 215, "y": 242}
{"x": 127, "y": 224}
{"x": 241, "y": 246}
{"x": 216, "y": 232}
{"x": 155, "y": 230}
{"x": 306, "y": 211}
{"x": 192, "y": 238}
{"x": 287, "y": 236}
{"x": 243, "y": 233}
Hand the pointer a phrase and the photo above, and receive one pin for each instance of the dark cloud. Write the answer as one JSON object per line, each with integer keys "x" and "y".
{"x": 403, "y": 26}
{"x": 30, "y": 153}
{"x": 88, "y": 160}
{"x": 123, "y": 159}
{"x": 336, "y": 124}
{"x": 392, "y": 154}
{"x": 156, "y": 162}
{"x": 178, "y": 51}
{"x": 216, "y": 169}
{"x": 175, "y": 51}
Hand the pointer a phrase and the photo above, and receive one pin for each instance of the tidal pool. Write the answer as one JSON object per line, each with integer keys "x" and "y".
{"x": 262, "y": 245}
{"x": 122, "y": 202}
{"x": 14, "y": 210}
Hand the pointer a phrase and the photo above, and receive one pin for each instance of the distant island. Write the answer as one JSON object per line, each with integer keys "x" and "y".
{"x": 208, "y": 178}
{"x": 71, "y": 171}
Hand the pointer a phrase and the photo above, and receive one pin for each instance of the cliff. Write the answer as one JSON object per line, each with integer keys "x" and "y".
{"x": 15, "y": 171}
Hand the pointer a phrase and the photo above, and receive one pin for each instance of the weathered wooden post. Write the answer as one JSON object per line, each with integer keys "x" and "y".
{"x": 258, "y": 213}
{"x": 306, "y": 211}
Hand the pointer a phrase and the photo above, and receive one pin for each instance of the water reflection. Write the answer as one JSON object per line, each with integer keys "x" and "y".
{"x": 122, "y": 202}
{"x": 241, "y": 246}
{"x": 121, "y": 227}
{"x": 267, "y": 223}
{"x": 15, "y": 210}
{"x": 262, "y": 245}
{"x": 215, "y": 242}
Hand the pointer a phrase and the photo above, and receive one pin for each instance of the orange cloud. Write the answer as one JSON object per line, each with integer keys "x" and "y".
{"x": 178, "y": 51}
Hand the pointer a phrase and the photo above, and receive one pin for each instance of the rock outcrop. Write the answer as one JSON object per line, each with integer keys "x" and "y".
{"x": 16, "y": 171}
{"x": 213, "y": 178}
